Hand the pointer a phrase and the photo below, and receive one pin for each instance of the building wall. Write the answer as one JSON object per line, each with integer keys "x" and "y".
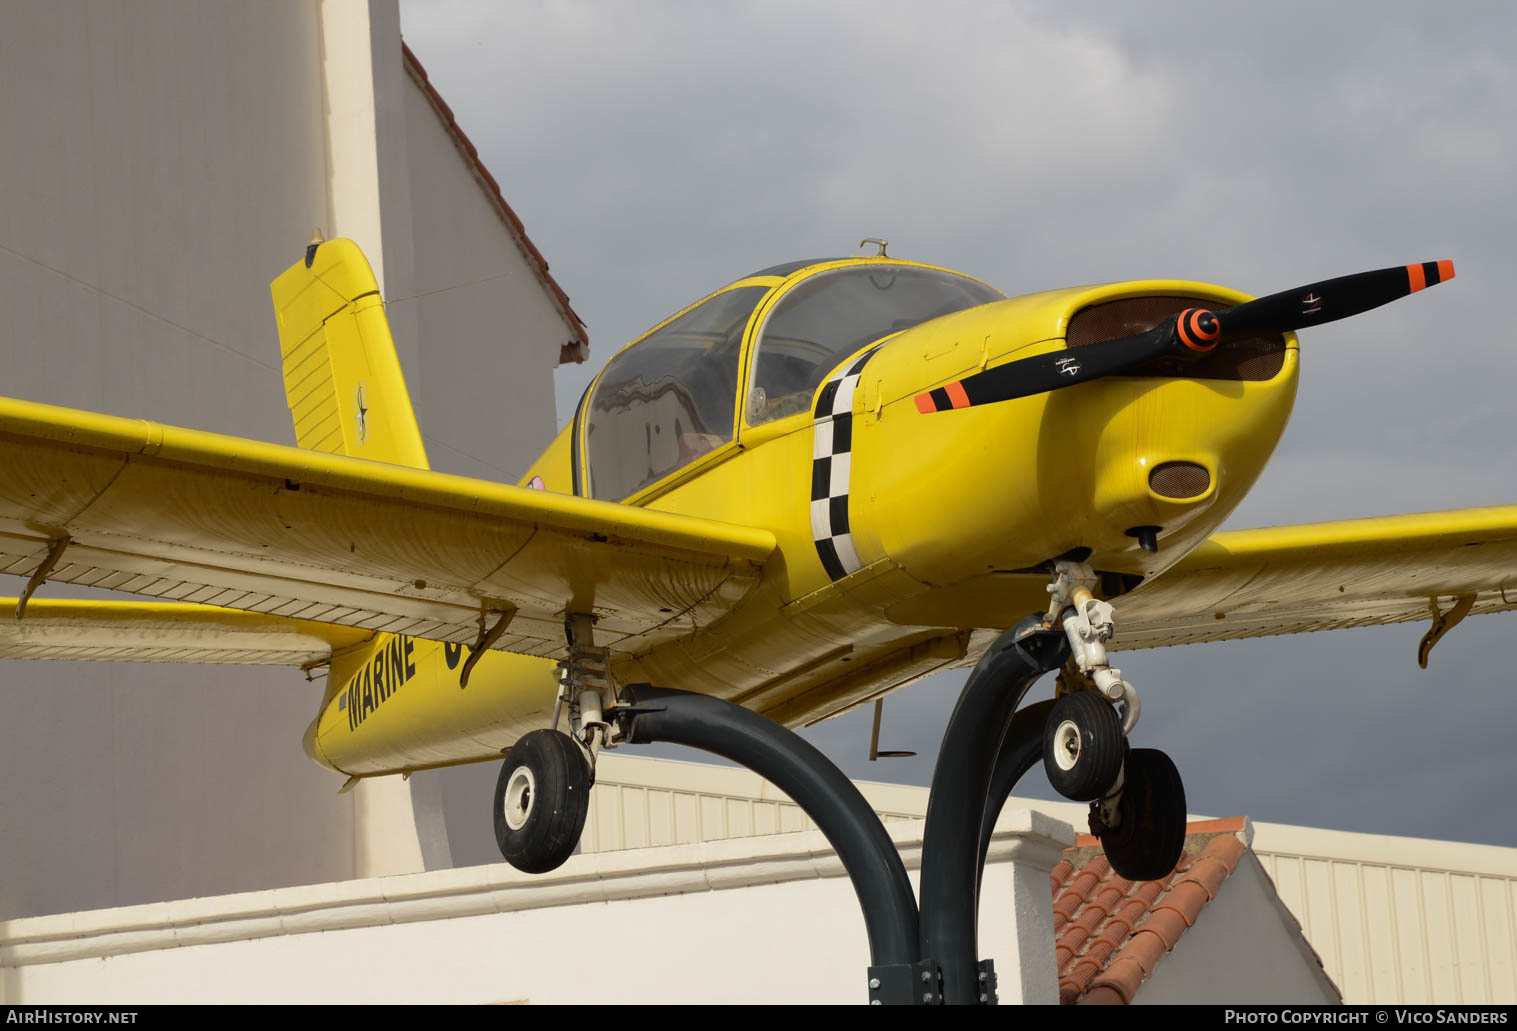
{"x": 1393, "y": 919}
{"x": 483, "y": 321}
{"x": 164, "y": 161}
{"x": 1401, "y": 920}
{"x": 765, "y": 920}
{"x": 1244, "y": 949}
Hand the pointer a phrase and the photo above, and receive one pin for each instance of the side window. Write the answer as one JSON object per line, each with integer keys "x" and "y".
{"x": 669, "y": 398}
{"x": 826, "y": 318}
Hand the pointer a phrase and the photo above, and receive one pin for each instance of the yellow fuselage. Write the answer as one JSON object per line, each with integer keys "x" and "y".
{"x": 951, "y": 512}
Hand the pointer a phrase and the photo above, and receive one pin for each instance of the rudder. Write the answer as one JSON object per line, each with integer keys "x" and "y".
{"x": 342, "y": 378}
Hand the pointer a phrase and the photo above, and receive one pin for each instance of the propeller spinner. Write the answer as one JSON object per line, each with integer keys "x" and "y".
{"x": 1193, "y": 331}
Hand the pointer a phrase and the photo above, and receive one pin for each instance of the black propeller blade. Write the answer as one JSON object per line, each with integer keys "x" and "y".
{"x": 1193, "y": 331}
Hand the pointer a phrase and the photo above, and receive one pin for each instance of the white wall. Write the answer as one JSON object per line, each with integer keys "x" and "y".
{"x": 760, "y": 920}
{"x": 1244, "y": 949}
{"x": 163, "y": 161}
{"x": 1393, "y": 919}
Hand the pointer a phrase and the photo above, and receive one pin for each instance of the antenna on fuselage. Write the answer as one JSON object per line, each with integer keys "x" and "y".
{"x": 881, "y": 244}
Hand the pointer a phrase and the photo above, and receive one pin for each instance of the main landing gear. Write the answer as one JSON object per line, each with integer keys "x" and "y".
{"x": 923, "y": 953}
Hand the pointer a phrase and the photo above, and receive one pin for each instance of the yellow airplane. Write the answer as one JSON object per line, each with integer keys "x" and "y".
{"x": 820, "y": 483}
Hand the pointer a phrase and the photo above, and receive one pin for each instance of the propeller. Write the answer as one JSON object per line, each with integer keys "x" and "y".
{"x": 1194, "y": 331}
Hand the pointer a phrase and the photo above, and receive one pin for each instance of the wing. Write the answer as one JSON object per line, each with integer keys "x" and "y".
{"x": 198, "y": 517}
{"x": 152, "y": 631}
{"x": 1326, "y": 576}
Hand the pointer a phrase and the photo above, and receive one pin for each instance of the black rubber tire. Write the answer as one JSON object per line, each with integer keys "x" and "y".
{"x": 1098, "y": 759}
{"x": 551, "y": 813}
{"x": 1147, "y": 843}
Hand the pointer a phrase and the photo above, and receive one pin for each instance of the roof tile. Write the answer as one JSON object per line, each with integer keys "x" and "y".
{"x": 1167, "y": 924}
{"x": 1102, "y": 995}
{"x": 1112, "y": 932}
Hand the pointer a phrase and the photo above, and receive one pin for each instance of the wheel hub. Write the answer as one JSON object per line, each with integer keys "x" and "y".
{"x": 1066, "y": 751}
{"x": 520, "y": 790}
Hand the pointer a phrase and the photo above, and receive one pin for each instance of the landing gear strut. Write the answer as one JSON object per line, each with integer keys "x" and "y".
{"x": 1137, "y": 802}
{"x": 542, "y": 794}
{"x": 925, "y": 954}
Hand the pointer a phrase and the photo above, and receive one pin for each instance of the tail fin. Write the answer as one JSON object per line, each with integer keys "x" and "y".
{"x": 342, "y": 378}
{"x": 343, "y": 382}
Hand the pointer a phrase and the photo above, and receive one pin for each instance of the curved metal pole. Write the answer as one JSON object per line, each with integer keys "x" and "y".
{"x": 779, "y": 755}
{"x": 951, "y": 845}
{"x": 1021, "y": 750}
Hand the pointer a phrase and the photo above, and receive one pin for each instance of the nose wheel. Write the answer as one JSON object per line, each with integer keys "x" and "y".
{"x": 1083, "y": 746}
{"x": 1137, "y": 801}
{"x": 1142, "y": 829}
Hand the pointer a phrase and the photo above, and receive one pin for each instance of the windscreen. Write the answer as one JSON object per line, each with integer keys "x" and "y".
{"x": 826, "y": 318}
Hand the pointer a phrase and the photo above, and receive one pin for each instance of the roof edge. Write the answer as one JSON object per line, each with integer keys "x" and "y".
{"x": 577, "y": 347}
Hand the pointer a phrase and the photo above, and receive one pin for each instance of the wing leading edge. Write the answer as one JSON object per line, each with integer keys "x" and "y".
{"x": 198, "y": 517}
{"x": 1327, "y": 576}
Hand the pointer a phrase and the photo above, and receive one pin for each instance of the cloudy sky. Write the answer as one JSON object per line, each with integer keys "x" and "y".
{"x": 656, "y": 151}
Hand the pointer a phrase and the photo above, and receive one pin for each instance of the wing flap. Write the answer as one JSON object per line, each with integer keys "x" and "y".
{"x": 1327, "y": 576}
{"x": 185, "y": 515}
{"x": 137, "y": 631}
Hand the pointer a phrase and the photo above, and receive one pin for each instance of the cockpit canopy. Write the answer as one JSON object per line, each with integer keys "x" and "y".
{"x": 672, "y": 396}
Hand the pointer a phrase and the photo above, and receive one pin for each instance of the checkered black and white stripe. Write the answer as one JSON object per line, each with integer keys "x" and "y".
{"x": 831, "y": 467}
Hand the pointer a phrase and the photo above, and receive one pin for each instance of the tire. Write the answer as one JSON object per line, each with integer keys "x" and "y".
{"x": 541, "y": 798}
{"x": 1148, "y": 840}
{"x": 1082, "y": 746}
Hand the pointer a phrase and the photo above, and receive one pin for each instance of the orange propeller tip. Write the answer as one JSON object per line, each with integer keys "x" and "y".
{"x": 1445, "y": 270}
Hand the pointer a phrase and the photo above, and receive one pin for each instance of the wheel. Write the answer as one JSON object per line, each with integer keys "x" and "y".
{"x": 1082, "y": 746}
{"x": 1150, "y": 835}
{"x": 541, "y": 798}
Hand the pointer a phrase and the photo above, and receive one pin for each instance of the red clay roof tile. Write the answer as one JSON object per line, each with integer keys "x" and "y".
{"x": 1207, "y": 873}
{"x": 1112, "y": 932}
{"x": 1167, "y": 923}
{"x": 1101, "y": 995}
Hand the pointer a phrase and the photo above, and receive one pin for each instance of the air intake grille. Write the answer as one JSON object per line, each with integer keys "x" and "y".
{"x": 1257, "y": 357}
{"x": 1179, "y": 480}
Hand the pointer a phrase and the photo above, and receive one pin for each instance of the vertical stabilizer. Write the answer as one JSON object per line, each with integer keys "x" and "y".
{"x": 343, "y": 382}
{"x": 342, "y": 378}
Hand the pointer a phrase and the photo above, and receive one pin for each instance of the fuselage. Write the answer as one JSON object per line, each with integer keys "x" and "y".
{"x": 906, "y": 536}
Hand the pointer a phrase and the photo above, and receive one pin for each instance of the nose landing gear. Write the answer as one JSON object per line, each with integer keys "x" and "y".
{"x": 1137, "y": 801}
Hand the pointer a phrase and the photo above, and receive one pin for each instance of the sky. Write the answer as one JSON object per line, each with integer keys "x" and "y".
{"x": 656, "y": 151}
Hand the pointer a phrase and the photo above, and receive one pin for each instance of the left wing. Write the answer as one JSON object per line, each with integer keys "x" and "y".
{"x": 198, "y": 517}
{"x": 155, "y": 631}
{"x": 1326, "y": 576}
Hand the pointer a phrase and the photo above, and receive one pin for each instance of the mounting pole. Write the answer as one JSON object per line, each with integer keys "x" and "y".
{"x": 648, "y": 714}
{"x": 952, "y": 842}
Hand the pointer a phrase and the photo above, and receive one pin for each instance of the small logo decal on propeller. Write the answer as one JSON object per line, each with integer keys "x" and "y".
{"x": 1068, "y": 366}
